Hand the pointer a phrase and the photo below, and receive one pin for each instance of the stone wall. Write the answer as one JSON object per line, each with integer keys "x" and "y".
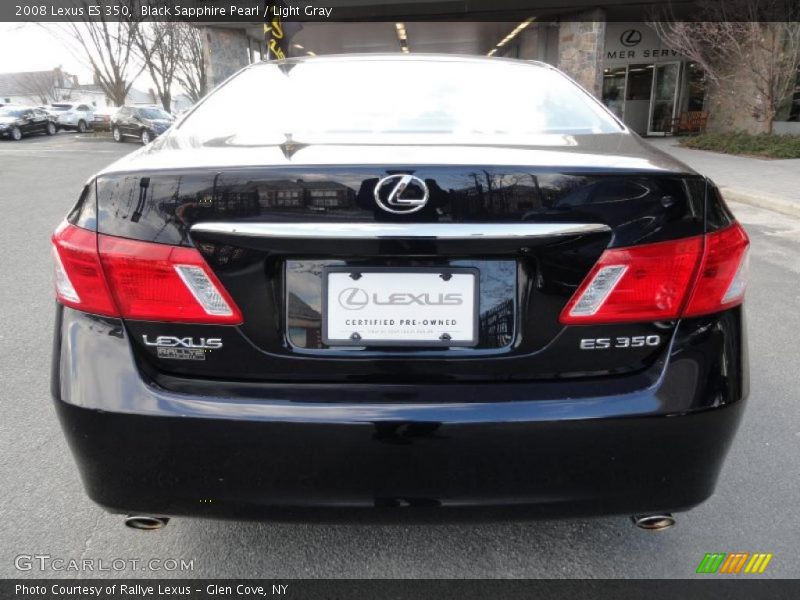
{"x": 226, "y": 51}
{"x": 581, "y": 46}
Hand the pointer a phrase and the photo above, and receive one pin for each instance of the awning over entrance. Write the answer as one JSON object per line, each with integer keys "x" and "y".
{"x": 449, "y": 37}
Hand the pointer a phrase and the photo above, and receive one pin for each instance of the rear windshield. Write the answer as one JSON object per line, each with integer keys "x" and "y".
{"x": 154, "y": 113}
{"x": 61, "y": 107}
{"x": 468, "y": 100}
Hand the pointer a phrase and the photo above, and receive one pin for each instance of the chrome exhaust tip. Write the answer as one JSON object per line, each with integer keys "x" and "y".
{"x": 655, "y": 522}
{"x": 145, "y": 522}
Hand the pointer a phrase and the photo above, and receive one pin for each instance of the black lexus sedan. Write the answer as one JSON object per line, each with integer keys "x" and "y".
{"x": 144, "y": 123}
{"x": 19, "y": 121}
{"x": 429, "y": 283}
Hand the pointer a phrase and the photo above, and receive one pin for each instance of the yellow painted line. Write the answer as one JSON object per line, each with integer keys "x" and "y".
{"x": 749, "y": 566}
{"x": 767, "y": 558}
{"x": 755, "y": 563}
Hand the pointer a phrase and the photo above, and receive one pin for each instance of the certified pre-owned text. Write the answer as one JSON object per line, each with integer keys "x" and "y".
{"x": 400, "y": 322}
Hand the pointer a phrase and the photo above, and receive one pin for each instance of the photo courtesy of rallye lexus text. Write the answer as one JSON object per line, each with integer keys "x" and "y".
{"x": 429, "y": 300}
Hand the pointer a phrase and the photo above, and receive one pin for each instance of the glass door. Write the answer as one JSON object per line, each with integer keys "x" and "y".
{"x": 664, "y": 98}
{"x": 637, "y": 97}
{"x": 615, "y": 82}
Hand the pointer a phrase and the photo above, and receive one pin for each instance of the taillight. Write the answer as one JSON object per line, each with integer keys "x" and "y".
{"x": 139, "y": 280}
{"x": 80, "y": 282}
{"x": 663, "y": 281}
{"x": 722, "y": 277}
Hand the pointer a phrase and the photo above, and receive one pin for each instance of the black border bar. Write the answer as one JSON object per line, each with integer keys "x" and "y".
{"x": 732, "y": 588}
{"x": 252, "y": 12}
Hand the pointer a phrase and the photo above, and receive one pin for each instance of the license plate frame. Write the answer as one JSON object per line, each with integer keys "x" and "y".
{"x": 472, "y": 272}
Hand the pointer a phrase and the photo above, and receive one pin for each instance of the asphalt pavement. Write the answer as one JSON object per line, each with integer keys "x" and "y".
{"x": 43, "y": 510}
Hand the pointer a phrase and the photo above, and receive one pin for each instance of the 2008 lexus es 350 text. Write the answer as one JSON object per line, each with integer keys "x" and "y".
{"x": 412, "y": 281}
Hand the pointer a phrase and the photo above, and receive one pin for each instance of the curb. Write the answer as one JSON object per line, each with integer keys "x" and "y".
{"x": 780, "y": 205}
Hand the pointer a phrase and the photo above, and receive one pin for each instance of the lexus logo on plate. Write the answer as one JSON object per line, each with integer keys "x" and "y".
{"x": 401, "y": 194}
{"x": 630, "y": 37}
{"x": 353, "y": 298}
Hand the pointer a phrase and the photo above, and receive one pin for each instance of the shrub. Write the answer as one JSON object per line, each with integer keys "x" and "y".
{"x": 771, "y": 146}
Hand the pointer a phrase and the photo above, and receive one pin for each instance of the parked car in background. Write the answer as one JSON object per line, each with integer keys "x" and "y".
{"x": 142, "y": 122}
{"x": 78, "y": 117}
{"x": 19, "y": 121}
{"x": 102, "y": 118}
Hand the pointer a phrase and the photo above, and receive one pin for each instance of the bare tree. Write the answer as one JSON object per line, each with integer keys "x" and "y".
{"x": 158, "y": 44}
{"x": 106, "y": 46}
{"x": 742, "y": 39}
{"x": 41, "y": 86}
{"x": 191, "y": 71}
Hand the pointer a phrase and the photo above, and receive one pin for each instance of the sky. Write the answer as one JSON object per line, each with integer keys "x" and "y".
{"x": 31, "y": 47}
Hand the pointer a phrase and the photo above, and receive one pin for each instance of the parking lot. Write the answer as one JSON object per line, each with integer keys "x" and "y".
{"x": 44, "y": 509}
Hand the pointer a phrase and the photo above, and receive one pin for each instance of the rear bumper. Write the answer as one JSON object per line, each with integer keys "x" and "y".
{"x": 141, "y": 448}
{"x": 233, "y": 468}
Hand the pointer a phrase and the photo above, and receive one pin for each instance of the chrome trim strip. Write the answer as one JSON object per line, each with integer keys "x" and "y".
{"x": 368, "y": 231}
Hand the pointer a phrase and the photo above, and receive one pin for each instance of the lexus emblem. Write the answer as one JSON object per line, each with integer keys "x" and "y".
{"x": 353, "y": 298}
{"x": 401, "y": 194}
{"x": 630, "y": 37}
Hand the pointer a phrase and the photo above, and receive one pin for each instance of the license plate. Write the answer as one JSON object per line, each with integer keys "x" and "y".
{"x": 400, "y": 307}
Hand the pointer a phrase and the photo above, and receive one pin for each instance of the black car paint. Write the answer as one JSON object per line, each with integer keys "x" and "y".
{"x": 32, "y": 121}
{"x": 536, "y": 423}
{"x": 162, "y": 206}
{"x": 265, "y": 425}
{"x": 649, "y": 441}
{"x": 131, "y": 122}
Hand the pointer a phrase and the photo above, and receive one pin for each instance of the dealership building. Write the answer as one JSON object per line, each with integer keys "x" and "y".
{"x": 622, "y": 61}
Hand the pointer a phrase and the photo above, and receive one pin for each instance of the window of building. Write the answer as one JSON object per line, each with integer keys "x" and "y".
{"x": 614, "y": 89}
{"x": 285, "y": 201}
{"x": 696, "y": 87}
{"x": 640, "y": 82}
{"x": 330, "y": 202}
{"x": 794, "y": 109}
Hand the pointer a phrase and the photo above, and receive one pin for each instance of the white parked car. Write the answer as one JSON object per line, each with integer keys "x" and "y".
{"x": 79, "y": 117}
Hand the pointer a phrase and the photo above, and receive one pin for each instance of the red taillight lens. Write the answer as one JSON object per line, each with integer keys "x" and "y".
{"x": 663, "y": 281}
{"x": 141, "y": 280}
{"x": 80, "y": 282}
{"x": 651, "y": 284}
{"x": 722, "y": 277}
{"x": 164, "y": 283}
